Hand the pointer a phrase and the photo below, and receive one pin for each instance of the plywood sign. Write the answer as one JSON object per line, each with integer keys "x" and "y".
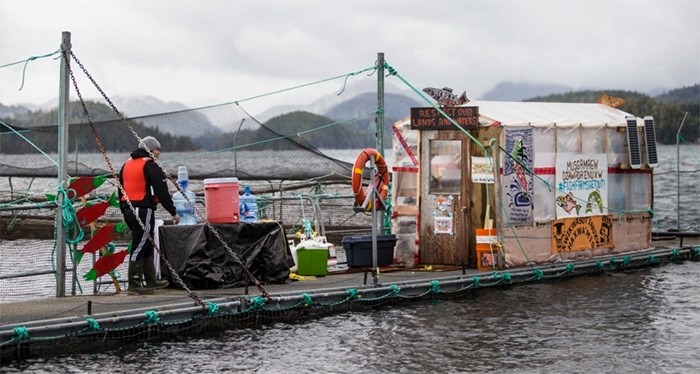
{"x": 582, "y": 233}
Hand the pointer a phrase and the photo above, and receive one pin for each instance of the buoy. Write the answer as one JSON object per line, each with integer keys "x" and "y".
{"x": 381, "y": 179}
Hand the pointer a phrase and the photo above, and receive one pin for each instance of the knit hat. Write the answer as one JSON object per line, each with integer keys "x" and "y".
{"x": 150, "y": 142}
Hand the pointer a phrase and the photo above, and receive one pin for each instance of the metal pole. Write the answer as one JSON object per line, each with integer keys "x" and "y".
{"x": 373, "y": 200}
{"x": 380, "y": 103}
{"x": 63, "y": 97}
{"x": 678, "y": 173}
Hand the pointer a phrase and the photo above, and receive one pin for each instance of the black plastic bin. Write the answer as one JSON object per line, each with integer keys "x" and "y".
{"x": 358, "y": 250}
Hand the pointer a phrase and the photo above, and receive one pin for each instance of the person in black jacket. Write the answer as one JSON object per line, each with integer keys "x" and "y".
{"x": 145, "y": 185}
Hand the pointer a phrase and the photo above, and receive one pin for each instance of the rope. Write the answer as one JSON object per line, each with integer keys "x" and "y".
{"x": 26, "y": 62}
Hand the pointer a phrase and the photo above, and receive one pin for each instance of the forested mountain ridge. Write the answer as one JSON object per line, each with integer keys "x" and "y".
{"x": 331, "y": 131}
{"x": 667, "y": 109}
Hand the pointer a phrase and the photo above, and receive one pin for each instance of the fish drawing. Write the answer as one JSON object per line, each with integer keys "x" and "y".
{"x": 568, "y": 203}
{"x": 445, "y": 97}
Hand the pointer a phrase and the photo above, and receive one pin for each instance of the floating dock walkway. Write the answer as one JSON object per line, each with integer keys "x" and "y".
{"x": 93, "y": 323}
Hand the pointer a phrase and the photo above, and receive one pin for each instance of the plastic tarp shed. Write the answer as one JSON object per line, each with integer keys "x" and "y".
{"x": 203, "y": 262}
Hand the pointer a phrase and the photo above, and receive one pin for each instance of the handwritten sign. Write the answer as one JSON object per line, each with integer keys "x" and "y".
{"x": 430, "y": 119}
{"x": 482, "y": 170}
{"x": 581, "y": 185}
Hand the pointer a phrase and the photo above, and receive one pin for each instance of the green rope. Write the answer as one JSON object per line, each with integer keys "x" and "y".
{"x": 256, "y": 302}
{"x": 70, "y": 220}
{"x": 539, "y": 274}
{"x": 93, "y": 324}
{"x": 352, "y": 293}
{"x": 395, "y": 289}
{"x": 307, "y": 299}
{"x": 434, "y": 286}
{"x": 21, "y": 333}
{"x": 696, "y": 251}
{"x": 476, "y": 281}
{"x": 626, "y": 261}
{"x": 600, "y": 265}
{"x": 212, "y": 308}
{"x": 651, "y": 259}
{"x": 29, "y": 141}
{"x": 151, "y": 317}
{"x": 26, "y": 62}
{"x": 570, "y": 267}
{"x": 393, "y": 72}
{"x": 675, "y": 254}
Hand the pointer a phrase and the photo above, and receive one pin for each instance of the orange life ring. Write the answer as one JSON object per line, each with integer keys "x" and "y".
{"x": 381, "y": 179}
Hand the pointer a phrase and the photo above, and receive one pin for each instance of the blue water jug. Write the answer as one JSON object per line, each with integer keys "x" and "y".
{"x": 248, "y": 206}
{"x": 184, "y": 208}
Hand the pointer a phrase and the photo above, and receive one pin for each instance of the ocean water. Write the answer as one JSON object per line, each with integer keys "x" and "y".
{"x": 646, "y": 321}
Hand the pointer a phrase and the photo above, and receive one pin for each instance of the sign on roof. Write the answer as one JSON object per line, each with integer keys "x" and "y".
{"x": 430, "y": 119}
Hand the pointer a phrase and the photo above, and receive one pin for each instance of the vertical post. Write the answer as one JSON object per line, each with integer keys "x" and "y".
{"x": 678, "y": 173}
{"x": 373, "y": 196}
{"x": 497, "y": 199}
{"x": 380, "y": 103}
{"x": 63, "y": 97}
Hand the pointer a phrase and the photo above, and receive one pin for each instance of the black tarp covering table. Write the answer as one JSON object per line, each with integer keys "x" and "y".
{"x": 203, "y": 262}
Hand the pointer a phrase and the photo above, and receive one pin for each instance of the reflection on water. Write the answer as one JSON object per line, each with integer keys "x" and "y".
{"x": 645, "y": 321}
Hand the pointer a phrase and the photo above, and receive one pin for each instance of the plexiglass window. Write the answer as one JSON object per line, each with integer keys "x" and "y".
{"x": 445, "y": 166}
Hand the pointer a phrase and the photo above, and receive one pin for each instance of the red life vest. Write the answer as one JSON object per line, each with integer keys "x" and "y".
{"x": 134, "y": 179}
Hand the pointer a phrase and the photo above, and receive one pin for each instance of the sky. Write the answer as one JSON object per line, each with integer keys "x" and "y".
{"x": 202, "y": 53}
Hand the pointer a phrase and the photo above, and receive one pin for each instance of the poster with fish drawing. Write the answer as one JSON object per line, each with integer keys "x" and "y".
{"x": 443, "y": 220}
{"x": 517, "y": 176}
{"x": 581, "y": 183}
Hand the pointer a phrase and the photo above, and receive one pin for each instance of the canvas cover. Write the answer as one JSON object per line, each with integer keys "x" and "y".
{"x": 202, "y": 261}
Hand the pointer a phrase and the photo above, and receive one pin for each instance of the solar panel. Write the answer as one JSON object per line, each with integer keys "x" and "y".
{"x": 650, "y": 140}
{"x": 633, "y": 143}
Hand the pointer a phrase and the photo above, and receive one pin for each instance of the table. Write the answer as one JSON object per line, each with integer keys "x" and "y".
{"x": 202, "y": 261}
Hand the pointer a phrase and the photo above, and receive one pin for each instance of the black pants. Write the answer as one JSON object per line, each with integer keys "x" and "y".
{"x": 141, "y": 245}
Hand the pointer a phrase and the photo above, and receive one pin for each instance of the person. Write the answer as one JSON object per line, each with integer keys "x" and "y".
{"x": 144, "y": 184}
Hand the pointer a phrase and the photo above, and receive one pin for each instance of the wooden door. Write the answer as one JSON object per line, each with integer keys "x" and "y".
{"x": 446, "y": 235}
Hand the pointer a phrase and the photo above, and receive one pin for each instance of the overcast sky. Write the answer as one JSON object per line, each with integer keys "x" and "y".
{"x": 209, "y": 52}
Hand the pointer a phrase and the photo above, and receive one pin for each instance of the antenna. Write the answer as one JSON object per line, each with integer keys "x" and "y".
{"x": 633, "y": 143}
{"x": 650, "y": 140}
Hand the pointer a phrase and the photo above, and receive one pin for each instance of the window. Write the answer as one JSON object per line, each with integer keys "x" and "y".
{"x": 445, "y": 166}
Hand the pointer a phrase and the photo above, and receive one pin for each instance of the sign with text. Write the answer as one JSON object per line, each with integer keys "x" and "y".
{"x": 582, "y": 233}
{"x": 581, "y": 185}
{"x": 430, "y": 119}
{"x": 482, "y": 170}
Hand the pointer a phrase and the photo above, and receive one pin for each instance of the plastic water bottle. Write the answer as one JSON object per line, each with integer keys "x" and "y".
{"x": 248, "y": 206}
{"x": 184, "y": 208}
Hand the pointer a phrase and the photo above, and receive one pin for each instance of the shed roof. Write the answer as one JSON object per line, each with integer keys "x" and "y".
{"x": 537, "y": 114}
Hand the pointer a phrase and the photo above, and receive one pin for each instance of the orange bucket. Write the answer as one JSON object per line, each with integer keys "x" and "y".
{"x": 486, "y": 249}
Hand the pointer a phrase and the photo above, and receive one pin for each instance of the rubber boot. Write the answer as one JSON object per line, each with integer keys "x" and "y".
{"x": 149, "y": 272}
{"x": 135, "y": 287}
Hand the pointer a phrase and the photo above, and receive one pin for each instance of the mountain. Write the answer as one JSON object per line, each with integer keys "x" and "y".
{"x": 519, "y": 91}
{"x": 685, "y": 95}
{"x": 137, "y": 106}
{"x": 326, "y": 103}
{"x": 396, "y": 106}
{"x": 667, "y": 115}
{"x": 13, "y": 111}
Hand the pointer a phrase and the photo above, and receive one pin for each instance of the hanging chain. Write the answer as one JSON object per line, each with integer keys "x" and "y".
{"x": 177, "y": 278}
{"x": 236, "y": 258}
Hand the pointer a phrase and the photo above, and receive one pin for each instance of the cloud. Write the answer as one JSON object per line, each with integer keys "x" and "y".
{"x": 203, "y": 53}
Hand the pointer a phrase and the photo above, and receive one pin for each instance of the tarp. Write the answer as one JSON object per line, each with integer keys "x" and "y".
{"x": 202, "y": 261}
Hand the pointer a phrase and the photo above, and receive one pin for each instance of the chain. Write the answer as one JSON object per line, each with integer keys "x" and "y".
{"x": 236, "y": 258}
{"x": 177, "y": 278}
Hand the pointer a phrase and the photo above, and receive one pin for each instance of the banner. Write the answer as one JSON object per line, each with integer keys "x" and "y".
{"x": 482, "y": 170}
{"x": 581, "y": 183}
{"x": 582, "y": 233}
{"x": 517, "y": 180}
